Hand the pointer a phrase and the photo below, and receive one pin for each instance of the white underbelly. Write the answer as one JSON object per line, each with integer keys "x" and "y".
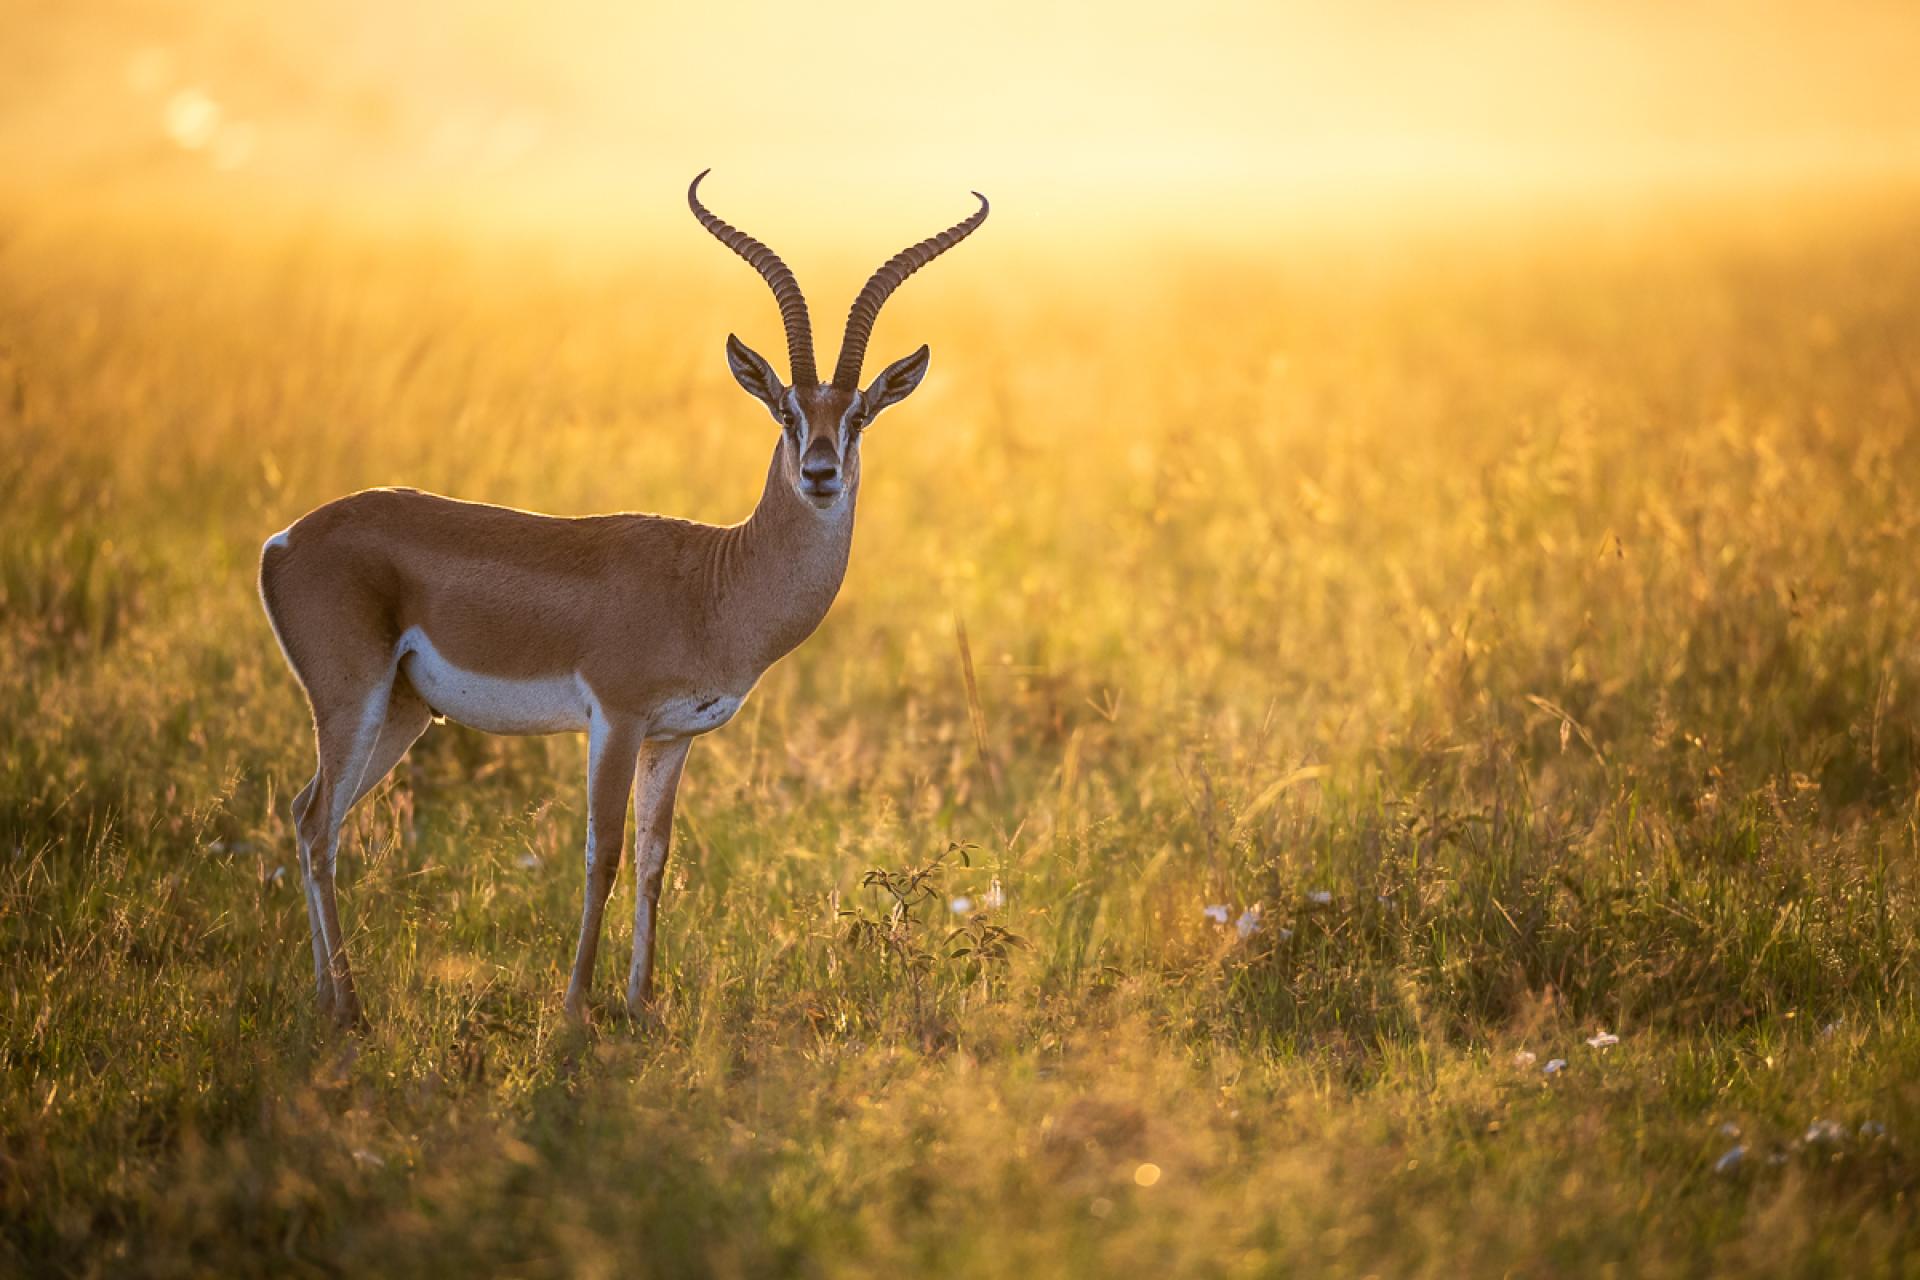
{"x": 495, "y": 704}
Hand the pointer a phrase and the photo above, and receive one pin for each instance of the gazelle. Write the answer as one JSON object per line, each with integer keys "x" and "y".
{"x": 394, "y": 606}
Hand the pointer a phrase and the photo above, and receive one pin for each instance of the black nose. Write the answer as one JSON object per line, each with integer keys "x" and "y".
{"x": 819, "y": 467}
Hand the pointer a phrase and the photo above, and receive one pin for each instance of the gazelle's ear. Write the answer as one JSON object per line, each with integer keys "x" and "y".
{"x": 896, "y": 382}
{"x": 752, "y": 371}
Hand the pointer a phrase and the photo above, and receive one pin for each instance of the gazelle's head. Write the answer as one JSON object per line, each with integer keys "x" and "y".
{"x": 821, "y": 423}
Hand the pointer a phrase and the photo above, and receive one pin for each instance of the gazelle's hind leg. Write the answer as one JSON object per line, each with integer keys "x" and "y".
{"x": 357, "y": 750}
{"x": 339, "y": 636}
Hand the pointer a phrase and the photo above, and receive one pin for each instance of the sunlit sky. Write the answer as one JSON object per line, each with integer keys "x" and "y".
{"x": 1186, "y": 111}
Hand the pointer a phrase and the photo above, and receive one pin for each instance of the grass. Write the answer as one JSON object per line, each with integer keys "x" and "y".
{"x": 1531, "y": 632}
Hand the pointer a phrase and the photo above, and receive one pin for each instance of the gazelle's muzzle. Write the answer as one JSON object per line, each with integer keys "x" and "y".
{"x": 820, "y": 472}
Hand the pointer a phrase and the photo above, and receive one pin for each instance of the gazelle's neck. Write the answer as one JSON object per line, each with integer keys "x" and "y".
{"x": 780, "y": 570}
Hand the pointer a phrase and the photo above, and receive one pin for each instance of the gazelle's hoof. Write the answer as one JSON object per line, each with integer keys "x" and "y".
{"x": 646, "y": 1014}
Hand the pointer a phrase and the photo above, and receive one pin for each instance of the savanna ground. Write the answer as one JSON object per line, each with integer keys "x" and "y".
{"x": 1525, "y": 632}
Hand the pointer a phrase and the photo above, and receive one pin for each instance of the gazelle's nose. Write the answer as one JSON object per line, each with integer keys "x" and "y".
{"x": 821, "y": 470}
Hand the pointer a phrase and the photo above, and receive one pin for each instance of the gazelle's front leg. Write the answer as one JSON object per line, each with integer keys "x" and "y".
{"x": 612, "y": 748}
{"x": 659, "y": 771}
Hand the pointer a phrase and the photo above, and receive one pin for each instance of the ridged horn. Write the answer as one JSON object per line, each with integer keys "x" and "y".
{"x": 779, "y": 278}
{"x": 866, "y": 307}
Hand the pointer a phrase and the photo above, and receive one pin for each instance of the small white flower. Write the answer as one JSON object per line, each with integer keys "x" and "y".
{"x": 1555, "y": 1066}
{"x": 1729, "y": 1129}
{"x": 995, "y": 897}
{"x": 1319, "y": 897}
{"x": 1216, "y": 912}
{"x": 1525, "y": 1058}
{"x": 1248, "y": 922}
{"x": 1605, "y": 1040}
{"x": 1825, "y": 1131}
{"x": 962, "y": 905}
{"x": 1730, "y": 1162}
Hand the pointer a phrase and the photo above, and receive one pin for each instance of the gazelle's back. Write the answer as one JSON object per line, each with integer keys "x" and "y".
{"x": 497, "y": 590}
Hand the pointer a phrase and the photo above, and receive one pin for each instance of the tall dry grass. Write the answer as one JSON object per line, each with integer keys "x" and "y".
{"x": 1528, "y": 630}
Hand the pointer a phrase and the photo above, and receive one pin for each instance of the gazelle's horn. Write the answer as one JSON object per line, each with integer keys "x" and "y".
{"x": 779, "y": 278}
{"x": 866, "y": 307}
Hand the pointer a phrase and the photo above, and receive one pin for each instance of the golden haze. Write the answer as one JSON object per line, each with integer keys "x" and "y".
{"x": 868, "y": 118}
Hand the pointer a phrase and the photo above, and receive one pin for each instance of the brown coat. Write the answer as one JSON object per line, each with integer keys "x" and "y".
{"x": 641, "y": 607}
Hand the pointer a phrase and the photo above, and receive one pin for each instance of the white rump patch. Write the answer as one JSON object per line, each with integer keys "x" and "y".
{"x": 494, "y": 704}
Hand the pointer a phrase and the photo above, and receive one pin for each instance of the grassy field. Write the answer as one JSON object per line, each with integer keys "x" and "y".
{"x": 1524, "y": 636}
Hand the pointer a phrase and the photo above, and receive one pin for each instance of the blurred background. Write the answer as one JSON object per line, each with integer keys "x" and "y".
{"x": 1206, "y": 119}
